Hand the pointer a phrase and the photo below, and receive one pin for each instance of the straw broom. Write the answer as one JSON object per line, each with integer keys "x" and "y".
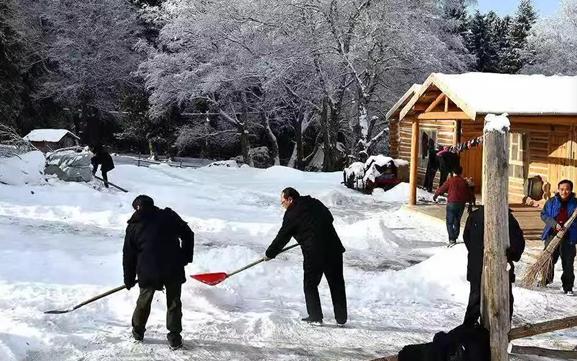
{"x": 544, "y": 262}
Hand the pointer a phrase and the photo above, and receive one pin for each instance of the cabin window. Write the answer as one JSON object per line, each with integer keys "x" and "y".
{"x": 427, "y": 136}
{"x": 517, "y": 155}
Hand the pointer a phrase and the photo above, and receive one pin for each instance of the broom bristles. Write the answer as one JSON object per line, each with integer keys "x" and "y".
{"x": 541, "y": 266}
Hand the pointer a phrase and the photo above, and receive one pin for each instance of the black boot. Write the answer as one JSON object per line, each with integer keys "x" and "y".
{"x": 313, "y": 320}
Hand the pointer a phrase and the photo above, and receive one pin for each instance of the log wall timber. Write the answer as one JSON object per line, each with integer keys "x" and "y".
{"x": 394, "y": 138}
{"x": 445, "y": 134}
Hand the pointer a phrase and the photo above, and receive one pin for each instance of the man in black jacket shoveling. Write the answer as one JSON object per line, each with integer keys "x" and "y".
{"x": 101, "y": 157}
{"x": 473, "y": 236}
{"x": 311, "y": 224}
{"x": 157, "y": 246}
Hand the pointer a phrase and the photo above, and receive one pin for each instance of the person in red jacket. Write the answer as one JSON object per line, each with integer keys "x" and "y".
{"x": 459, "y": 194}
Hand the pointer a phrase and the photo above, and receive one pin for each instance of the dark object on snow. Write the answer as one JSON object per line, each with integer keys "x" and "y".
{"x": 310, "y": 222}
{"x": 102, "y": 158}
{"x": 473, "y": 236}
{"x": 460, "y": 344}
{"x": 96, "y": 298}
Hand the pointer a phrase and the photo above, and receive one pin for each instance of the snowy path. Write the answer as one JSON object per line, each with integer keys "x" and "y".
{"x": 62, "y": 244}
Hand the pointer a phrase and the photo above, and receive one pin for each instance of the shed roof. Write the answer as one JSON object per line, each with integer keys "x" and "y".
{"x": 48, "y": 135}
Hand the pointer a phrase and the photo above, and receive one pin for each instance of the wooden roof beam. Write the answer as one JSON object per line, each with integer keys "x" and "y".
{"x": 435, "y": 102}
{"x": 443, "y": 116}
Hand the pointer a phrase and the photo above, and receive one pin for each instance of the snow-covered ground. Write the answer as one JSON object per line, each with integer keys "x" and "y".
{"x": 61, "y": 243}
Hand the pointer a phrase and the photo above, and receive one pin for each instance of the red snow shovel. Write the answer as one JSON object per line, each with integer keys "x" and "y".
{"x": 213, "y": 279}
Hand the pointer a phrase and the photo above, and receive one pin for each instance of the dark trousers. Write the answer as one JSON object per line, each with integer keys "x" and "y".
{"x": 105, "y": 177}
{"x": 173, "y": 311}
{"x": 332, "y": 268}
{"x": 473, "y": 312}
{"x": 453, "y": 219}
{"x": 567, "y": 253}
{"x": 429, "y": 177}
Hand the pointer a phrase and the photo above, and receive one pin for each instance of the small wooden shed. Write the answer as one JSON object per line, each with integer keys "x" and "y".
{"x": 451, "y": 108}
{"x": 48, "y": 140}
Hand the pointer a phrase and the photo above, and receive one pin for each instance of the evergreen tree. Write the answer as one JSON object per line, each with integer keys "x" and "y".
{"x": 520, "y": 30}
{"x": 492, "y": 22}
{"x": 456, "y": 15}
{"x": 478, "y": 42}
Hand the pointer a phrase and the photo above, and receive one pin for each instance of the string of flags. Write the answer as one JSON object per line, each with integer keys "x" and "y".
{"x": 471, "y": 143}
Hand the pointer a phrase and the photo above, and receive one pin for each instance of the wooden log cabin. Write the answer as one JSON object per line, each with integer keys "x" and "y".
{"x": 451, "y": 109}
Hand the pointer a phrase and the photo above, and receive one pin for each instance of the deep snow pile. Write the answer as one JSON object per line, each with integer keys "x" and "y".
{"x": 62, "y": 242}
{"x": 22, "y": 169}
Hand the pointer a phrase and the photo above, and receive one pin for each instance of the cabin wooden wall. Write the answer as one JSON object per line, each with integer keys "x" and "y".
{"x": 401, "y": 146}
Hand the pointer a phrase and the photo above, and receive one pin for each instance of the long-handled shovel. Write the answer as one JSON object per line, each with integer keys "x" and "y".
{"x": 217, "y": 277}
{"x": 112, "y": 184}
{"x": 114, "y": 290}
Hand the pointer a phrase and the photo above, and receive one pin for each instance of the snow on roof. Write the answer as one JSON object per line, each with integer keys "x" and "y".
{"x": 514, "y": 94}
{"x": 48, "y": 135}
{"x": 403, "y": 100}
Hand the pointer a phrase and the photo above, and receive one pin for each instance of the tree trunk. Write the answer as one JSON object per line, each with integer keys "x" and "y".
{"x": 328, "y": 160}
{"x": 152, "y": 150}
{"x": 245, "y": 146}
{"x": 274, "y": 152}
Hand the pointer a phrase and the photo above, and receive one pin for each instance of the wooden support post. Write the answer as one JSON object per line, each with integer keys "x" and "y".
{"x": 414, "y": 163}
{"x": 495, "y": 278}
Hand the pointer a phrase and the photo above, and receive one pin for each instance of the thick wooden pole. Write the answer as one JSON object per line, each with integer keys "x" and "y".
{"x": 414, "y": 162}
{"x": 495, "y": 278}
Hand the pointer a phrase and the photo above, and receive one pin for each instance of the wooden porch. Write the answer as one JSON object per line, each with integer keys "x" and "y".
{"x": 528, "y": 217}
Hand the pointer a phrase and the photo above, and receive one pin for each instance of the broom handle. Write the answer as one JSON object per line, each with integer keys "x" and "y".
{"x": 560, "y": 234}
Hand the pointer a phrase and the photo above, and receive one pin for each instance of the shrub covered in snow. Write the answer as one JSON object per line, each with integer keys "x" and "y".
{"x": 70, "y": 164}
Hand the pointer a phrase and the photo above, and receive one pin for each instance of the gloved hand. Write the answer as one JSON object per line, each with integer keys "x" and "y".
{"x": 129, "y": 283}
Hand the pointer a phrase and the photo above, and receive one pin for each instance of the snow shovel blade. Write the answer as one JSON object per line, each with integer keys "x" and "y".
{"x": 210, "y": 279}
{"x": 57, "y": 312}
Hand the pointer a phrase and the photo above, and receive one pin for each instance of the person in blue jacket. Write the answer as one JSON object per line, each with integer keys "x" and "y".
{"x": 555, "y": 214}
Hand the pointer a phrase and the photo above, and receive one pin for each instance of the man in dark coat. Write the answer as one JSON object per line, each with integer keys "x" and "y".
{"x": 101, "y": 157}
{"x": 432, "y": 166}
{"x": 448, "y": 163}
{"x": 311, "y": 224}
{"x": 473, "y": 236}
{"x": 157, "y": 246}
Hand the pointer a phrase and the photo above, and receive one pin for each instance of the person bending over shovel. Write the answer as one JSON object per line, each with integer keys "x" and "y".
{"x": 157, "y": 246}
{"x": 311, "y": 224}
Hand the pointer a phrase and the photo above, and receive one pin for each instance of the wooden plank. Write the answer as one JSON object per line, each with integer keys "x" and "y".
{"x": 542, "y": 327}
{"x": 413, "y": 164}
{"x": 495, "y": 278}
{"x": 435, "y": 102}
{"x": 544, "y": 352}
{"x": 444, "y": 116}
{"x": 446, "y": 104}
